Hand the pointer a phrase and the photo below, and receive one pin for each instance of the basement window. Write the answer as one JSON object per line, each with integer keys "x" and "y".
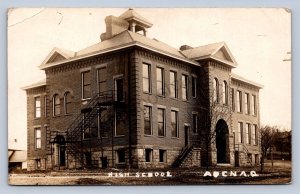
{"x": 162, "y": 156}
{"x": 121, "y": 156}
{"x": 148, "y": 155}
{"x": 38, "y": 163}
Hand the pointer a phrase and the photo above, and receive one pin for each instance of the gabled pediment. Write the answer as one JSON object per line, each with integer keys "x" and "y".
{"x": 224, "y": 55}
{"x": 57, "y": 55}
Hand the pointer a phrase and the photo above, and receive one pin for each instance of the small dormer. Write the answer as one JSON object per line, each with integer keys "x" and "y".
{"x": 136, "y": 21}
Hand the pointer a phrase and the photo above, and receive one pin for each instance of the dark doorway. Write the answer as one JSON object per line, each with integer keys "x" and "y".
{"x": 186, "y": 135}
{"x": 222, "y": 142}
{"x": 119, "y": 89}
{"x": 62, "y": 155}
{"x": 88, "y": 159}
{"x": 237, "y": 159}
{"x": 104, "y": 162}
{"x": 59, "y": 140}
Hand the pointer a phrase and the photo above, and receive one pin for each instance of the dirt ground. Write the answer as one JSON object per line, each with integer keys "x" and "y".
{"x": 279, "y": 174}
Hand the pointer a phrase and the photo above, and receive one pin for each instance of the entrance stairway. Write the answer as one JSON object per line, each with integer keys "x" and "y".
{"x": 241, "y": 148}
{"x": 189, "y": 157}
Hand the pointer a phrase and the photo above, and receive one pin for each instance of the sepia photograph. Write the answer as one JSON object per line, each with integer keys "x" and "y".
{"x": 149, "y": 96}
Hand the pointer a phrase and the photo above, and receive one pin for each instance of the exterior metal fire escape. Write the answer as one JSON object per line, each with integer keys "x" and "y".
{"x": 84, "y": 136}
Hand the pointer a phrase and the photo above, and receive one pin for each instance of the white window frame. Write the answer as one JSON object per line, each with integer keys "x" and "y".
{"x": 37, "y": 108}
{"x": 184, "y": 85}
{"x": 149, "y": 87}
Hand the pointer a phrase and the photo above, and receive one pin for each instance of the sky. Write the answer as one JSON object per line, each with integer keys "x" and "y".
{"x": 258, "y": 38}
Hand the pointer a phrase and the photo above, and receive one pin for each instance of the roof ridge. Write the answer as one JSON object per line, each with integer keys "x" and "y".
{"x": 222, "y": 42}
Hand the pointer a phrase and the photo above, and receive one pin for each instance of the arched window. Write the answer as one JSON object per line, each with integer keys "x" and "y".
{"x": 56, "y": 105}
{"x": 225, "y": 92}
{"x": 67, "y": 103}
{"x": 216, "y": 90}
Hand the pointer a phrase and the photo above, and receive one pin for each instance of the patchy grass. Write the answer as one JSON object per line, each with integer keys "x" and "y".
{"x": 279, "y": 174}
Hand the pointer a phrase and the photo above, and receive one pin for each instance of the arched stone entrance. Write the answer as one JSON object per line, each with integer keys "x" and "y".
{"x": 222, "y": 142}
{"x": 60, "y": 150}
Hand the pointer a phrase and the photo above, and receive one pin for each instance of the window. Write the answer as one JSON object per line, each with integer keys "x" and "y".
{"x": 161, "y": 121}
{"x": 194, "y": 87}
{"x": 101, "y": 76}
{"x": 56, "y": 105}
{"x": 253, "y": 105}
{"x": 120, "y": 123}
{"x": 147, "y": 120}
{"x": 216, "y": 90}
{"x": 232, "y": 99}
{"x": 162, "y": 156}
{"x": 121, "y": 156}
{"x": 247, "y": 110}
{"x": 173, "y": 84}
{"x": 146, "y": 78}
{"x": 148, "y": 155}
{"x": 174, "y": 123}
{"x": 160, "y": 81}
{"x": 255, "y": 135}
{"x": 249, "y": 157}
{"x": 119, "y": 89}
{"x": 45, "y": 106}
{"x": 184, "y": 86}
{"x": 240, "y": 132}
{"x": 37, "y": 135}
{"x": 225, "y": 93}
{"x": 67, "y": 101}
{"x": 37, "y": 107}
{"x": 103, "y": 125}
{"x": 38, "y": 163}
{"x": 239, "y": 101}
{"x": 86, "y": 84}
{"x": 248, "y": 133}
{"x": 256, "y": 158}
{"x": 195, "y": 122}
{"x": 86, "y": 130}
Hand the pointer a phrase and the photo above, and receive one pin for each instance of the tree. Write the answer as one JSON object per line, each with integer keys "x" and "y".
{"x": 267, "y": 135}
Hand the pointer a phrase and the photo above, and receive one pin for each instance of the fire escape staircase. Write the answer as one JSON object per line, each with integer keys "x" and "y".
{"x": 99, "y": 106}
{"x": 182, "y": 156}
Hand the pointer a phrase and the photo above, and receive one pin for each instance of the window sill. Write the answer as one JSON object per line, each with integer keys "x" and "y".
{"x": 56, "y": 116}
{"x": 175, "y": 138}
{"x": 145, "y": 135}
{"x": 172, "y": 98}
{"x": 159, "y": 136}
{"x": 149, "y": 93}
{"x": 119, "y": 136}
{"x": 162, "y": 96}
{"x": 68, "y": 114}
{"x": 102, "y": 137}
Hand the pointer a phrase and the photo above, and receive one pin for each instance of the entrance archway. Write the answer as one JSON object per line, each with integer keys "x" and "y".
{"x": 222, "y": 142}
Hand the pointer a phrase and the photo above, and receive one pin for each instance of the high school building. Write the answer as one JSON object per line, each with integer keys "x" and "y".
{"x": 132, "y": 101}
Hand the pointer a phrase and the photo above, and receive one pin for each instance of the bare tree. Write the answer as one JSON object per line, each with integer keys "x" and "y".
{"x": 267, "y": 135}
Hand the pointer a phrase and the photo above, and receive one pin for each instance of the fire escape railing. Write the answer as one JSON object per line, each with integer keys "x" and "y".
{"x": 100, "y": 106}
